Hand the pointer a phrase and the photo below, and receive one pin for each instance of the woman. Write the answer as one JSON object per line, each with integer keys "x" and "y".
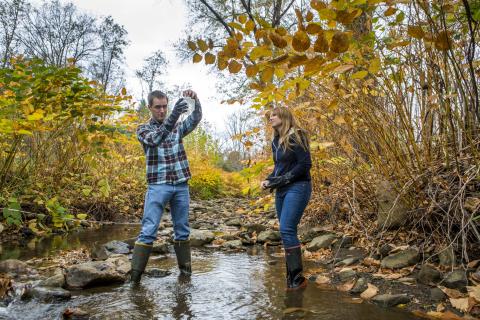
{"x": 291, "y": 179}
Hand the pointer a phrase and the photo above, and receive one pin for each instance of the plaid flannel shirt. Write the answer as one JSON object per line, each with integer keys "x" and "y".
{"x": 166, "y": 158}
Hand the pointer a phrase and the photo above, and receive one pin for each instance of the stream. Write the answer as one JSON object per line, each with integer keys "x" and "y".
{"x": 225, "y": 285}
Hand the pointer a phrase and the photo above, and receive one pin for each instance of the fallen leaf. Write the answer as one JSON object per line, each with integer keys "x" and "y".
{"x": 473, "y": 264}
{"x": 322, "y": 280}
{"x": 474, "y": 292}
{"x": 441, "y": 307}
{"x": 462, "y": 304}
{"x": 452, "y": 293}
{"x": 370, "y": 292}
{"x": 389, "y": 276}
{"x": 371, "y": 262}
{"x": 347, "y": 286}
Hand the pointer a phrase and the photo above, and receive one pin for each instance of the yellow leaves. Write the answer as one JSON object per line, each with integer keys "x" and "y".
{"x": 415, "y": 32}
{"x": 278, "y": 40}
{"x": 124, "y": 91}
{"x": 191, "y": 45}
{"x": 260, "y": 52}
{"x": 321, "y": 44}
{"x": 196, "y": 58}
{"x": 209, "y": 58}
{"x": 234, "y": 66}
{"x": 249, "y": 26}
{"x": 251, "y": 71}
{"x": 343, "y": 68}
{"x": 221, "y": 62}
{"x": 267, "y": 74}
{"x": 313, "y": 28}
{"x": 314, "y": 65}
{"x": 390, "y": 11}
{"x": 309, "y": 16}
{"x": 359, "y": 74}
{"x": 340, "y": 42}
{"x": 317, "y": 5}
{"x": 442, "y": 41}
{"x": 202, "y": 45}
{"x": 37, "y": 115}
{"x": 300, "y": 41}
{"x": 327, "y": 14}
{"x": 375, "y": 66}
{"x": 347, "y": 16}
{"x": 242, "y": 18}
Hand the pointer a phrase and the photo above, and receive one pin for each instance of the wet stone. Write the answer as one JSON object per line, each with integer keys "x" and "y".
{"x": 48, "y": 294}
{"x": 160, "y": 248}
{"x": 360, "y": 286}
{"x": 391, "y": 300}
{"x": 233, "y": 244}
{"x": 385, "y": 250}
{"x": 200, "y": 237}
{"x": 157, "y": 273}
{"x": 100, "y": 253}
{"x": 55, "y": 281}
{"x": 14, "y": 266}
{"x": 347, "y": 261}
{"x": 255, "y": 227}
{"x": 118, "y": 247}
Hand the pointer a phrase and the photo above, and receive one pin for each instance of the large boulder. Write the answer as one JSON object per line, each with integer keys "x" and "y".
{"x": 200, "y": 237}
{"x": 49, "y": 294}
{"x": 93, "y": 273}
{"x": 269, "y": 236}
{"x": 14, "y": 267}
{"x": 233, "y": 244}
{"x": 234, "y": 222}
{"x": 323, "y": 241}
{"x": 160, "y": 247}
{"x": 57, "y": 280}
{"x": 401, "y": 259}
{"x": 392, "y": 211}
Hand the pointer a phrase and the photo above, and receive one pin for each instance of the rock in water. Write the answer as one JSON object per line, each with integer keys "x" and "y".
{"x": 118, "y": 247}
{"x": 200, "y": 237}
{"x": 112, "y": 270}
{"x": 391, "y": 300}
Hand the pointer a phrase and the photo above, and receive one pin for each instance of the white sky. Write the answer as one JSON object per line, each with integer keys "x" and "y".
{"x": 153, "y": 25}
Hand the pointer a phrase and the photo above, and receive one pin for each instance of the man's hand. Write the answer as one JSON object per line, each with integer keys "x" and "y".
{"x": 264, "y": 184}
{"x": 191, "y": 94}
{"x": 180, "y": 107}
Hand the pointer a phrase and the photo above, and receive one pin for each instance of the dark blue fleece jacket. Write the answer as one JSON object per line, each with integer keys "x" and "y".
{"x": 295, "y": 160}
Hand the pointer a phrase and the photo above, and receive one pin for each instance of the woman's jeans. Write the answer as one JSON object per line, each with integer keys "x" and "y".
{"x": 157, "y": 196}
{"x": 290, "y": 202}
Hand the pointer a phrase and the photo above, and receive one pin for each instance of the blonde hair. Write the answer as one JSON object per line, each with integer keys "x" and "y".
{"x": 289, "y": 127}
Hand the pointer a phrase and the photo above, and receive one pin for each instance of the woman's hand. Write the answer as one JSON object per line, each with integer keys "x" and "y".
{"x": 264, "y": 184}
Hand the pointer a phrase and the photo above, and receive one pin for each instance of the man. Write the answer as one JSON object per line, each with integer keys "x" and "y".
{"x": 167, "y": 176}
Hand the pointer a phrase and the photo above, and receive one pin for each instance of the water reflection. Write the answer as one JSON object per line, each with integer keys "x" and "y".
{"x": 242, "y": 285}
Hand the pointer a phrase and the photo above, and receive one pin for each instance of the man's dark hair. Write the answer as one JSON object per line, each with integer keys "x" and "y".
{"x": 155, "y": 94}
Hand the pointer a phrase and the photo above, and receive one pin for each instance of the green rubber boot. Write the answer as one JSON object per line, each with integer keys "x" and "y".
{"x": 141, "y": 253}
{"x": 184, "y": 258}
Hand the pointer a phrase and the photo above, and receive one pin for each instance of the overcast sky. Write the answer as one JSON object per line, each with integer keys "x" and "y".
{"x": 153, "y": 25}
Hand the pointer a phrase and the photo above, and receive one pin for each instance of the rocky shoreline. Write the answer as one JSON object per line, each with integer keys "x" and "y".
{"x": 394, "y": 276}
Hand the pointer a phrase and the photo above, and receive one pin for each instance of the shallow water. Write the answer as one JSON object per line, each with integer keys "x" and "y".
{"x": 246, "y": 285}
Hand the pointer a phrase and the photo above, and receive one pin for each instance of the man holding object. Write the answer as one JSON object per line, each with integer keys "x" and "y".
{"x": 167, "y": 176}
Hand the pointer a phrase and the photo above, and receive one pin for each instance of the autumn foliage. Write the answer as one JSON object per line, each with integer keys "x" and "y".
{"x": 389, "y": 93}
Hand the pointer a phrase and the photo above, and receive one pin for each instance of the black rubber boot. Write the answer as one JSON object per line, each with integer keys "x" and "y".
{"x": 295, "y": 279}
{"x": 141, "y": 253}
{"x": 184, "y": 258}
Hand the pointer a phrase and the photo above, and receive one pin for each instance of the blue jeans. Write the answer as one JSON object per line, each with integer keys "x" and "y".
{"x": 157, "y": 196}
{"x": 290, "y": 202}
